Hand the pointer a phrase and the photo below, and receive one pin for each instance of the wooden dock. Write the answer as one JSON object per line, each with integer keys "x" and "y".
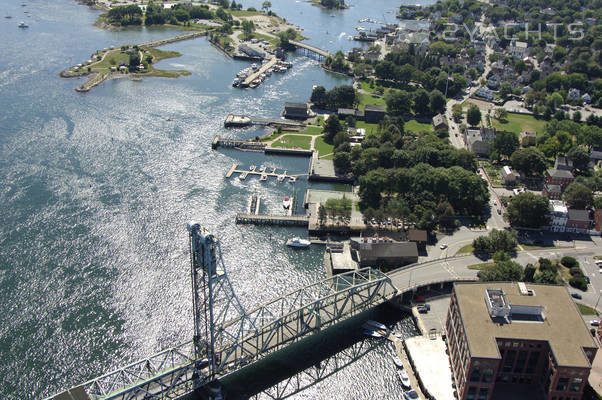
{"x": 254, "y": 203}
{"x": 269, "y": 219}
{"x": 268, "y": 172}
{"x": 261, "y": 70}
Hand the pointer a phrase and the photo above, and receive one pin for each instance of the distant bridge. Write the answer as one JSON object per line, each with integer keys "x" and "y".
{"x": 310, "y": 50}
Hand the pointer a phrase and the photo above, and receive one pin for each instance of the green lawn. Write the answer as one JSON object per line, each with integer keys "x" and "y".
{"x": 312, "y": 130}
{"x": 323, "y": 147}
{"x": 518, "y": 123}
{"x": 417, "y": 127}
{"x": 244, "y": 13}
{"x": 370, "y": 128}
{"x": 481, "y": 265}
{"x": 116, "y": 55}
{"x": 366, "y": 99}
{"x": 465, "y": 249}
{"x": 293, "y": 141}
{"x": 585, "y": 310}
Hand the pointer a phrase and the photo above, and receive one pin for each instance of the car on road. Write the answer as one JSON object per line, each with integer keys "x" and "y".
{"x": 443, "y": 246}
{"x": 499, "y": 211}
{"x": 421, "y": 309}
{"x": 587, "y": 279}
{"x": 594, "y": 322}
{"x": 411, "y": 395}
{"x": 576, "y": 295}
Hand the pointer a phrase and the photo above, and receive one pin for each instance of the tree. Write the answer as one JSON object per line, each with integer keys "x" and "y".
{"x": 547, "y": 277}
{"x": 569, "y": 262}
{"x": 505, "y": 143}
{"x": 481, "y": 244}
{"x": 437, "y": 102}
{"x": 134, "y": 60}
{"x": 578, "y": 196}
{"x": 496, "y": 241}
{"x": 398, "y": 102}
{"x": 332, "y": 126}
{"x": 473, "y": 116}
{"x": 580, "y": 158}
{"x": 322, "y": 214}
{"x": 502, "y": 271}
{"x": 501, "y": 114}
{"x": 342, "y": 162}
{"x": 577, "y": 116}
{"x": 530, "y": 161}
{"x": 266, "y": 6}
{"x": 248, "y": 27}
{"x": 457, "y": 112}
{"x": 555, "y": 100}
{"x": 528, "y": 210}
{"x": 529, "y": 273}
{"x": 421, "y": 102}
{"x": 318, "y": 96}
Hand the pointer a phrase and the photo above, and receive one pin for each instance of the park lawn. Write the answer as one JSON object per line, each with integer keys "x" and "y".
{"x": 312, "y": 130}
{"x": 244, "y": 13}
{"x": 272, "y": 40}
{"x": 518, "y": 123}
{"x": 116, "y": 55}
{"x": 323, "y": 147}
{"x": 585, "y": 310}
{"x": 417, "y": 127}
{"x": 370, "y": 128}
{"x": 293, "y": 141}
{"x": 368, "y": 99}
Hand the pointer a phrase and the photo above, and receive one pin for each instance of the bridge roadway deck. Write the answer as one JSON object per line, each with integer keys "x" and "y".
{"x": 309, "y": 47}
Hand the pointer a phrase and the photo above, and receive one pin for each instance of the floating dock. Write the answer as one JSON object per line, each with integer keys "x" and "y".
{"x": 239, "y": 120}
{"x": 261, "y": 70}
{"x": 269, "y": 219}
{"x": 268, "y": 172}
{"x": 254, "y": 203}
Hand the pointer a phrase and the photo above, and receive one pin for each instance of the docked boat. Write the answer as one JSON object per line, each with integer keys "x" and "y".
{"x": 405, "y": 379}
{"x": 253, "y": 85}
{"x": 397, "y": 361}
{"x": 264, "y": 177}
{"x": 23, "y": 25}
{"x": 254, "y": 67}
{"x": 252, "y": 168}
{"x": 298, "y": 242}
{"x": 236, "y": 82}
{"x": 286, "y": 203}
{"x": 372, "y": 333}
{"x": 376, "y": 325}
{"x": 281, "y": 178}
{"x": 261, "y": 168}
{"x": 292, "y": 179}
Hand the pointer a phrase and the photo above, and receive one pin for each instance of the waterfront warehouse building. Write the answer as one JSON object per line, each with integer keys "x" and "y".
{"x": 516, "y": 340}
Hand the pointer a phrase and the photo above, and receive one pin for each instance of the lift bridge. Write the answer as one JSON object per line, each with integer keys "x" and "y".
{"x": 226, "y": 336}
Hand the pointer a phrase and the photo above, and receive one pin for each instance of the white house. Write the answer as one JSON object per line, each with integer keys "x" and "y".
{"x": 559, "y": 215}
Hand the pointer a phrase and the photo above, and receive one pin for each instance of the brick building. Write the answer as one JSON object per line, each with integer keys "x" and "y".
{"x": 507, "y": 340}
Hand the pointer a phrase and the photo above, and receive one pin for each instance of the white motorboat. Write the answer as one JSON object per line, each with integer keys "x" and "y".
{"x": 372, "y": 333}
{"x": 23, "y": 25}
{"x": 281, "y": 178}
{"x": 286, "y": 203}
{"x": 252, "y": 168}
{"x": 397, "y": 361}
{"x": 298, "y": 242}
{"x": 261, "y": 168}
{"x": 263, "y": 177}
{"x": 292, "y": 179}
{"x": 236, "y": 82}
{"x": 405, "y": 379}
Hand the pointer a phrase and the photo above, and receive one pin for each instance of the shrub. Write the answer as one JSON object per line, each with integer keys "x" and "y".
{"x": 576, "y": 271}
{"x": 569, "y": 262}
{"x": 579, "y": 283}
{"x": 546, "y": 265}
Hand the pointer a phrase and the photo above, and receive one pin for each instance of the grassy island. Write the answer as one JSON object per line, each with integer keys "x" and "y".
{"x": 133, "y": 61}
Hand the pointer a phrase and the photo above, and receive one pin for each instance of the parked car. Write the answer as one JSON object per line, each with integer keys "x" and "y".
{"x": 411, "y": 395}
{"x": 594, "y": 322}
{"x": 587, "y": 279}
{"x": 422, "y": 309}
{"x": 576, "y": 295}
{"x": 443, "y": 246}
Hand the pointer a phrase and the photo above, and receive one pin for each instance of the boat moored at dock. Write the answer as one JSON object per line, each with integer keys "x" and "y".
{"x": 298, "y": 242}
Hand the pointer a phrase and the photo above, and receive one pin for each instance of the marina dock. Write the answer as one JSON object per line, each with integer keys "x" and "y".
{"x": 268, "y": 172}
{"x": 260, "y": 71}
{"x": 238, "y": 121}
{"x": 269, "y": 219}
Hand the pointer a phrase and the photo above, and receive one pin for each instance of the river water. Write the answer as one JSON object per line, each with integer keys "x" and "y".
{"x": 97, "y": 188}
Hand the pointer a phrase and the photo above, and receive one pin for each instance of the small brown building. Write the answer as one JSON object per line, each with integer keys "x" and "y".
{"x": 295, "y": 110}
{"x": 418, "y": 236}
{"x": 552, "y": 192}
{"x": 578, "y": 221}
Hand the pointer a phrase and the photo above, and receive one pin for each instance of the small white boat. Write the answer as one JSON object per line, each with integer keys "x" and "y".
{"x": 281, "y": 178}
{"x": 263, "y": 177}
{"x": 236, "y": 82}
{"x": 286, "y": 203}
{"x": 397, "y": 361}
{"x": 23, "y": 25}
{"x": 261, "y": 168}
{"x": 298, "y": 242}
{"x": 252, "y": 168}
{"x": 373, "y": 334}
{"x": 254, "y": 67}
{"x": 405, "y": 379}
{"x": 292, "y": 179}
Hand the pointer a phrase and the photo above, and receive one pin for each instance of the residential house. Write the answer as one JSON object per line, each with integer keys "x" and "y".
{"x": 374, "y": 114}
{"x": 509, "y": 176}
{"x": 528, "y": 138}
{"x": 552, "y": 192}
{"x": 596, "y": 155}
{"x": 587, "y": 98}
{"x": 578, "y": 221}
{"x": 558, "y": 216}
{"x": 440, "y": 122}
{"x": 479, "y": 140}
{"x": 296, "y": 110}
{"x": 418, "y": 236}
{"x": 559, "y": 177}
{"x": 494, "y": 81}
{"x": 484, "y": 93}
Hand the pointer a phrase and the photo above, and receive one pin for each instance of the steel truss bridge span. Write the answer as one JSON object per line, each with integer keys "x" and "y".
{"x": 226, "y": 337}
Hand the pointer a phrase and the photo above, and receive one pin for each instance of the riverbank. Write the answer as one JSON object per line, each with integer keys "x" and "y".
{"x": 116, "y": 63}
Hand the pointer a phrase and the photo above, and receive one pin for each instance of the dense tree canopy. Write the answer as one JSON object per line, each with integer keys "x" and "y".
{"x": 528, "y": 210}
{"x": 578, "y": 196}
{"x": 529, "y": 161}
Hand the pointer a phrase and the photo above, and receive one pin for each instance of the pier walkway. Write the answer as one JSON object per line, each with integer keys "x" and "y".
{"x": 268, "y": 172}
{"x": 237, "y": 121}
{"x": 270, "y": 219}
{"x": 260, "y": 71}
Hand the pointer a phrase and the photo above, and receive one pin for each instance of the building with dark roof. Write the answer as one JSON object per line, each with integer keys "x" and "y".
{"x": 295, "y": 110}
{"x": 552, "y": 192}
{"x": 440, "y": 122}
{"x": 560, "y": 177}
{"x": 512, "y": 340}
{"x": 374, "y": 114}
{"x": 418, "y": 236}
{"x": 384, "y": 251}
{"x": 578, "y": 221}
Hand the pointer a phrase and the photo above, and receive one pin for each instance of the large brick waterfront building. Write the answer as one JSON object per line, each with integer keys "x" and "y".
{"x": 514, "y": 341}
